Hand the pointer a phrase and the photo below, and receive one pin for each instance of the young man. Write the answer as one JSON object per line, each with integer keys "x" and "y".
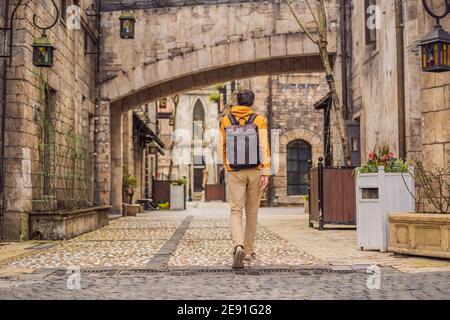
{"x": 246, "y": 156}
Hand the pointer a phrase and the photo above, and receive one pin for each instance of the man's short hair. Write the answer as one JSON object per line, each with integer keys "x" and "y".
{"x": 245, "y": 98}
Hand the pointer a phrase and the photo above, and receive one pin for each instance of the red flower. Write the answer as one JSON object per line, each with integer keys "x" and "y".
{"x": 391, "y": 155}
{"x": 385, "y": 158}
{"x": 372, "y": 155}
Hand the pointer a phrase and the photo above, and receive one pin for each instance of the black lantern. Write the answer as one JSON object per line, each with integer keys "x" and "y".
{"x": 43, "y": 52}
{"x": 153, "y": 148}
{"x": 171, "y": 120}
{"x": 435, "y": 52}
{"x": 42, "y": 48}
{"x": 127, "y": 23}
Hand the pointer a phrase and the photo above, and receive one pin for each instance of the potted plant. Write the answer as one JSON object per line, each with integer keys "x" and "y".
{"x": 178, "y": 194}
{"x": 381, "y": 187}
{"x": 306, "y": 204}
{"x": 129, "y": 185}
{"x": 426, "y": 231}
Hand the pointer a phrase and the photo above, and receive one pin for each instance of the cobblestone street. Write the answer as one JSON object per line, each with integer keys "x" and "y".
{"x": 226, "y": 285}
{"x": 187, "y": 255}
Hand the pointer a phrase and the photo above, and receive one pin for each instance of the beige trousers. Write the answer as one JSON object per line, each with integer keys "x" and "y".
{"x": 244, "y": 192}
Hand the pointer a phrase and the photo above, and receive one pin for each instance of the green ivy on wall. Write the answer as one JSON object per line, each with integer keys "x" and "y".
{"x": 63, "y": 180}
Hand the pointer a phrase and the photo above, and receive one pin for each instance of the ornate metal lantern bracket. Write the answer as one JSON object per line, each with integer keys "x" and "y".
{"x": 9, "y": 28}
{"x": 435, "y": 45}
{"x": 436, "y": 16}
{"x": 42, "y": 48}
{"x": 45, "y": 28}
{"x": 127, "y": 6}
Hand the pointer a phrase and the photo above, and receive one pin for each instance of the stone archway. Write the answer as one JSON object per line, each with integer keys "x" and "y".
{"x": 280, "y": 180}
{"x": 186, "y": 47}
{"x": 183, "y": 48}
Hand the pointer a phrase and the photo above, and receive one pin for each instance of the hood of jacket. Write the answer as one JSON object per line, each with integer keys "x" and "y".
{"x": 242, "y": 111}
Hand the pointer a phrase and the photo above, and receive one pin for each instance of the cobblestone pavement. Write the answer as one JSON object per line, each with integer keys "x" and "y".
{"x": 338, "y": 247}
{"x": 138, "y": 242}
{"x": 187, "y": 255}
{"x": 314, "y": 285}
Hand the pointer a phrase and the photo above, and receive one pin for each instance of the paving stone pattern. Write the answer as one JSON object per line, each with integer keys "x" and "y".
{"x": 159, "y": 240}
{"x": 311, "y": 286}
{"x": 188, "y": 256}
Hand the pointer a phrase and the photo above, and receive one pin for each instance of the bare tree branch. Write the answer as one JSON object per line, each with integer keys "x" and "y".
{"x": 300, "y": 23}
{"x": 320, "y": 19}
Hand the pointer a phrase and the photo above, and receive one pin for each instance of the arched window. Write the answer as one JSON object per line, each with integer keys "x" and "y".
{"x": 199, "y": 120}
{"x": 298, "y": 157}
{"x": 198, "y": 129}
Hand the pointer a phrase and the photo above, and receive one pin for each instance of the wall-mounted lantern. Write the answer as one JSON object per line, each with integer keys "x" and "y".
{"x": 435, "y": 52}
{"x": 153, "y": 148}
{"x": 127, "y": 25}
{"x": 171, "y": 120}
{"x": 42, "y": 48}
{"x": 43, "y": 52}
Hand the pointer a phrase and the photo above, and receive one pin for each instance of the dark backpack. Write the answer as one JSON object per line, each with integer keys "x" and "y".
{"x": 242, "y": 143}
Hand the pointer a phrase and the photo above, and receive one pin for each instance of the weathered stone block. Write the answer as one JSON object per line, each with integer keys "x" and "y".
{"x": 433, "y": 99}
{"x": 67, "y": 225}
{"x": 442, "y": 125}
{"x": 434, "y": 156}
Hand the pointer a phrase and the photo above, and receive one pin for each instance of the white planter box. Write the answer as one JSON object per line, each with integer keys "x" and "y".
{"x": 377, "y": 195}
{"x": 177, "y": 199}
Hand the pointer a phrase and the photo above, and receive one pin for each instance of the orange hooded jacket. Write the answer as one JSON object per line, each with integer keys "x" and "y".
{"x": 242, "y": 113}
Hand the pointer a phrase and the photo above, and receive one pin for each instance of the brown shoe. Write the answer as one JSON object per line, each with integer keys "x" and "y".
{"x": 238, "y": 257}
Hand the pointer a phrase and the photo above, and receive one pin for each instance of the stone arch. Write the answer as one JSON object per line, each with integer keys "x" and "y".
{"x": 301, "y": 134}
{"x": 222, "y": 42}
{"x": 183, "y": 48}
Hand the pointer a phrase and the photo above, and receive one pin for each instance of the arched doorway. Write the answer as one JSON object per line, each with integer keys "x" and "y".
{"x": 299, "y": 153}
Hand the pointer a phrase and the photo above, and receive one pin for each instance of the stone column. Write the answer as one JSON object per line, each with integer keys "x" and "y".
{"x": 102, "y": 154}
{"x": 20, "y": 142}
{"x": 116, "y": 158}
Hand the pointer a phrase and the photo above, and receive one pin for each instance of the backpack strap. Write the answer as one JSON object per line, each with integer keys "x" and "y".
{"x": 252, "y": 118}
{"x": 233, "y": 120}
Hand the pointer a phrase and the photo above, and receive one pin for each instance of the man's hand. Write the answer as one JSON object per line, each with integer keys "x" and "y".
{"x": 263, "y": 182}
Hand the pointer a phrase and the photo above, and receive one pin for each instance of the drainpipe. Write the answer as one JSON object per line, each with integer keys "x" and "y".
{"x": 269, "y": 134}
{"x": 99, "y": 26}
{"x": 400, "y": 78}
{"x": 344, "y": 57}
{"x": 4, "y": 96}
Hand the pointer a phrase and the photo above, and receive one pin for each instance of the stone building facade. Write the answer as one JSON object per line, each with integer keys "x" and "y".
{"x": 194, "y": 137}
{"x": 288, "y": 103}
{"x": 375, "y": 88}
{"x": 70, "y": 129}
{"x": 141, "y": 148}
{"x": 50, "y": 119}
{"x": 179, "y": 48}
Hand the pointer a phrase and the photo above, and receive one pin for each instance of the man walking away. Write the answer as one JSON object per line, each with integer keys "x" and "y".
{"x": 246, "y": 156}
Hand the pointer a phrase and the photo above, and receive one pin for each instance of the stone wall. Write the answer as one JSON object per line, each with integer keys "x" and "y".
{"x": 374, "y": 89}
{"x": 435, "y": 103}
{"x": 182, "y": 48}
{"x": 294, "y": 118}
{"x": 3, "y": 51}
{"x": 72, "y": 85}
{"x": 135, "y": 152}
{"x": 374, "y": 69}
